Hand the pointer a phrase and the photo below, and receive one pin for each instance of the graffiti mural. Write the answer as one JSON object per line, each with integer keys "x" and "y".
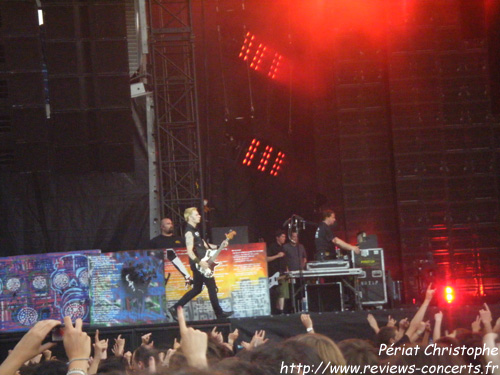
{"x": 127, "y": 287}
{"x": 44, "y": 286}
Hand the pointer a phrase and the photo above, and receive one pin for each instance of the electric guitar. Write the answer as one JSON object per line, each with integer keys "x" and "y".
{"x": 274, "y": 279}
{"x": 212, "y": 254}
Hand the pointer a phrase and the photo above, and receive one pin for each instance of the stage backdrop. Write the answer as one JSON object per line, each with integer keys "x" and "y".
{"x": 43, "y": 286}
{"x": 241, "y": 279}
{"x": 127, "y": 287}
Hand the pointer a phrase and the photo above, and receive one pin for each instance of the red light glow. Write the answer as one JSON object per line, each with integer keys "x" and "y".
{"x": 262, "y": 58}
{"x": 449, "y": 294}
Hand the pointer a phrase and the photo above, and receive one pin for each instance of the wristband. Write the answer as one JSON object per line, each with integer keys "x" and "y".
{"x": 77, "y": 359}
{"x": 309, "y": 329}
{"x": 76, "y": 371}
{"x": 196, "y": 260}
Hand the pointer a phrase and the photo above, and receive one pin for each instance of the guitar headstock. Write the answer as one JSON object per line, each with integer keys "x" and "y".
{"x": 231, "y": 235}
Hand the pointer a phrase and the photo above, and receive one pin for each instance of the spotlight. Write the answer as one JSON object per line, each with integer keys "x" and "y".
{"x": 266, "y": 155}
{"x": 449, "y": 294}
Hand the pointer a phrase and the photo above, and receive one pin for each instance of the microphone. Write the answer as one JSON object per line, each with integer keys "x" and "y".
{"x": 287, "y": 221}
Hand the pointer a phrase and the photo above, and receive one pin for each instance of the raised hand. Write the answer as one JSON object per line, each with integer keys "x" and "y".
{"x": 372, "y": 322}
{"x": 438, "y": 316}
{"x": 216, "y": 335}
{"x": 486, "y": 318}
{"x": 476, "y": 324}
{"x": 76, "y": 343}
{"x": 29, "y": 346}
{"x": 145, "y": 340}
{"x": 429, "y": 293}
{"x": 194, "y": 343}
{"x": 232, "y": 337}
{"x": 119, "y": 346}
{"x": 485, "y": 314}
{"x": 257, "y": 339}
{"x": 307, "y": 322}
{"x": 100, "y": 347}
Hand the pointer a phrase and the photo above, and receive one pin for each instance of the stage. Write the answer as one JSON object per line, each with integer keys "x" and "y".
{"x": 336, "y": 325}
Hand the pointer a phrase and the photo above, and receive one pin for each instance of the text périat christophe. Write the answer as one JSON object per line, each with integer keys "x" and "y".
{"x": 434, "y": 349}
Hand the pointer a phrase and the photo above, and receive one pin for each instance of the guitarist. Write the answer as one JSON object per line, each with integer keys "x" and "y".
{"x": 276, "y": 264}
{"x": 196, "y": 249}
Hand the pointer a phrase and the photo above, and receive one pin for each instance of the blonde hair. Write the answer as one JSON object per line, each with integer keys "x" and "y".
{"x": 188, "y": 212}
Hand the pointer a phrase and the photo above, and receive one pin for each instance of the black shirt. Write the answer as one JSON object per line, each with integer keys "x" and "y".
{"x": 277, "y": 265}
{"x": 323, "y": 240}
{"x": 199, "y": 245}
{"x": 165, "y": 242}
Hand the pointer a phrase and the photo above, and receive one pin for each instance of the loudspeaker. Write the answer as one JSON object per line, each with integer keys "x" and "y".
{"x": 324, "y": 297}
{"x": 219, "y": 234}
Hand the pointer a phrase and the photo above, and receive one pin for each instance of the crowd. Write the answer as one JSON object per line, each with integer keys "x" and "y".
{"x": 405, "y": 347}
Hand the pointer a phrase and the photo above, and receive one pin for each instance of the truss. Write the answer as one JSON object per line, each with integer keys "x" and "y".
{"x": 172, "y": 70}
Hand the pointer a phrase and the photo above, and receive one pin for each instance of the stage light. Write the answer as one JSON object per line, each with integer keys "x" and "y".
{"x": 262, "y": 58}
{"x": 268, "y": 156}
{"x": 449, "y": 294}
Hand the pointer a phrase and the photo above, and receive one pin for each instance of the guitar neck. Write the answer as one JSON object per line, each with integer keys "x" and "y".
{"x": 216, "y": 254}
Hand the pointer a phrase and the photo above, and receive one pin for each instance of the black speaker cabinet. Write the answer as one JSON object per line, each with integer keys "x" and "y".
{"x": 372, "y": 282}
{"x": 324, "y": 297}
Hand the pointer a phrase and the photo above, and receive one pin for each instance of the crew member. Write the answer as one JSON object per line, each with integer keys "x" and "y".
{"x": 325, "y": 240}
{"x": 167, "y": 240}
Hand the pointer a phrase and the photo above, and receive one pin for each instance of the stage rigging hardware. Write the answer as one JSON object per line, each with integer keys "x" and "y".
{"x": 172, "y": 68}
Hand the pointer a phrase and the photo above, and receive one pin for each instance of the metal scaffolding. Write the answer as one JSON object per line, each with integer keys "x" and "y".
{"x": 172, "y": 71}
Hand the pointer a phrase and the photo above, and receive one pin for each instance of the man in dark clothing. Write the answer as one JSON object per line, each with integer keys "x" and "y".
{"x": 325, "y": 240}
{"x": 167, "y": 239}
{"x": 196, "y": 249}
{"x": 276, "y": 266}
{"x": 295, "y": 254}
{"x": 295, "y": 259}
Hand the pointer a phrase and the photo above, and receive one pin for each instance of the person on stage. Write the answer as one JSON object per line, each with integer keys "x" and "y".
{"x": 196, "y": 248}
{"x": 295, "y": 254}
{"x": 295, "y": 260}
{"x": 325, "y": 240}
{"x": 167, "y": 239}
{"x": 276, "y": 267}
